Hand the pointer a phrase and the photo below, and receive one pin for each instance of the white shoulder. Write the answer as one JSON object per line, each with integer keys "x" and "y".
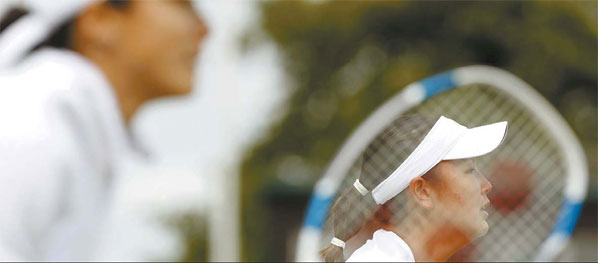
{"x": 29, "y": 118}
{"x": 52, "y": 146}
{"x": 45, "y": 106}
{"x": 369, "y": 252}
{"x": 385, "y": 246}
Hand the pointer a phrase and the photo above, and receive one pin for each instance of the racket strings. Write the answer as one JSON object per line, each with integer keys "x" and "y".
{"x": 527, "y": 171}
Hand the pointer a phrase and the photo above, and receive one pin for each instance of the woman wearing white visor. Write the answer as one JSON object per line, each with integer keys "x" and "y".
{"x": 72, "y": 75}
{"x": 419, "y": 192}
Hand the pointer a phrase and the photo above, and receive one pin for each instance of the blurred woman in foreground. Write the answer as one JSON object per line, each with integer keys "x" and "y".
{"x": 72, "y": 75}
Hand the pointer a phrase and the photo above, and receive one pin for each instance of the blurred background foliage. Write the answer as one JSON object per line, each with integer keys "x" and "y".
{"x": 345, "y": 58}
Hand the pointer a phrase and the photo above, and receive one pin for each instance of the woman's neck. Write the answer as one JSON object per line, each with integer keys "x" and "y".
{"x": 130, "y": 93}
{"x": 429, "y": 241}
{"x": 130, "y": 90}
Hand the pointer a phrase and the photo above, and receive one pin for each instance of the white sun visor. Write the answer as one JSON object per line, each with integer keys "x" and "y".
{"x": 30, "y": 30}
{"x": 447, "y": 140}
{"x": 478, "y": 141}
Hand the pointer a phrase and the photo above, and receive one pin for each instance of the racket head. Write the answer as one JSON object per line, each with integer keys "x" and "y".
{"x": 539, "y": 173}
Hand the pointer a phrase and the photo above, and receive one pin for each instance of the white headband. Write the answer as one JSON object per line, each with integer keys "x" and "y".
{"x": 447, "y": 140}
{"x": 360, "y": 188}
{"x": 44, "y": 16}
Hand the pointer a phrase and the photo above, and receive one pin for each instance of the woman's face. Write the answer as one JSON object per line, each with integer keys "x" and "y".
{"x": 459, "y": 197}
{"x": 158, "y": 43}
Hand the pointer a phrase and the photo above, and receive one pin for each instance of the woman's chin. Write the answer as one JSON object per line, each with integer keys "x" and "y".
{"x": 483, "y": 230}
{"x": 180, "y": 89}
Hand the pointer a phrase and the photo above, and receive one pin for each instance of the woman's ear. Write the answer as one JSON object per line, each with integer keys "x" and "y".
{"x": 96, "y": 28}
{"x": 421, "y": 193}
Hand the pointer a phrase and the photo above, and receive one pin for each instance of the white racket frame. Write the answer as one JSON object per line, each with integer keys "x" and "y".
{"x": 576, "y": 165}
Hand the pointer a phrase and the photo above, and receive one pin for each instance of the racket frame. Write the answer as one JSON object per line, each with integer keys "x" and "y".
{"x": 414, "y": 94}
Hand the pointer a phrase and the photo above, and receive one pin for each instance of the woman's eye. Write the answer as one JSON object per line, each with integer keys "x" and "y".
{"x": 186, "y": 3}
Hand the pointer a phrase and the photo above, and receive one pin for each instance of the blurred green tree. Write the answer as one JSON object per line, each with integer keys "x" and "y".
{"x": 344, "y": 58}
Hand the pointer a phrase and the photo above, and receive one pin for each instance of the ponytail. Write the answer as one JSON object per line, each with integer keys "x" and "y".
{"x": 355, "y": 209}
{"x": 349, "y": 213}
{"x": 332, "y": 253}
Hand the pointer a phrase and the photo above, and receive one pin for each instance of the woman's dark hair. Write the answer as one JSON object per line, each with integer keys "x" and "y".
{"x": 351, "y": 211}
{"x": 61, "y": 37}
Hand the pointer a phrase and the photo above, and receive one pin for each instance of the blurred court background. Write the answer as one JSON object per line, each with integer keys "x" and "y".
{"x": 344, "y": 58}
{"x": 281, "y": 84}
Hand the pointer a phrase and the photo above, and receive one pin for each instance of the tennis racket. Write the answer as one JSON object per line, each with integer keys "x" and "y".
{"x": 539, "y": 173}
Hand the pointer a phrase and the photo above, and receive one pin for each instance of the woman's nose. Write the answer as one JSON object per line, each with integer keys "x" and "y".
{"x": 485, "y": 184}
{"x": 202, "y": 28}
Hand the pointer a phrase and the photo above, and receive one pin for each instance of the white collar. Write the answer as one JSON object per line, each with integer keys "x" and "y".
{"x": 385, "y": 246}
{"x": 87, "y": 80}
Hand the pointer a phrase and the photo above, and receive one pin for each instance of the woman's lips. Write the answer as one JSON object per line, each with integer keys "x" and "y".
{"x": 484, "y": 212}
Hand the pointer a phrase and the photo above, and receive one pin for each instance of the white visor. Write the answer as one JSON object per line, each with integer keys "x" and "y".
{"x": 447, "y": 140}
{"x": 478, "y": 141}
{"x": 28, "y": 31}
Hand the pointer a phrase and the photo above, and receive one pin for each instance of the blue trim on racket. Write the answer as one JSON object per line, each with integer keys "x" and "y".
{"x": 567, "y": 218}
{"x": 317, "y": 210}
{"x": 437, "y": 84}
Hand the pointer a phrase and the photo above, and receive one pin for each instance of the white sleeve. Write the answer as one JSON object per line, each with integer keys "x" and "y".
{"x": 31, "y": 182}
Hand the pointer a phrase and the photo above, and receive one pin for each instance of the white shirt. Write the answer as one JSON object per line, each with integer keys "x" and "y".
{"x": 385, "y": 246}
{"x": 61, "y": 136}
